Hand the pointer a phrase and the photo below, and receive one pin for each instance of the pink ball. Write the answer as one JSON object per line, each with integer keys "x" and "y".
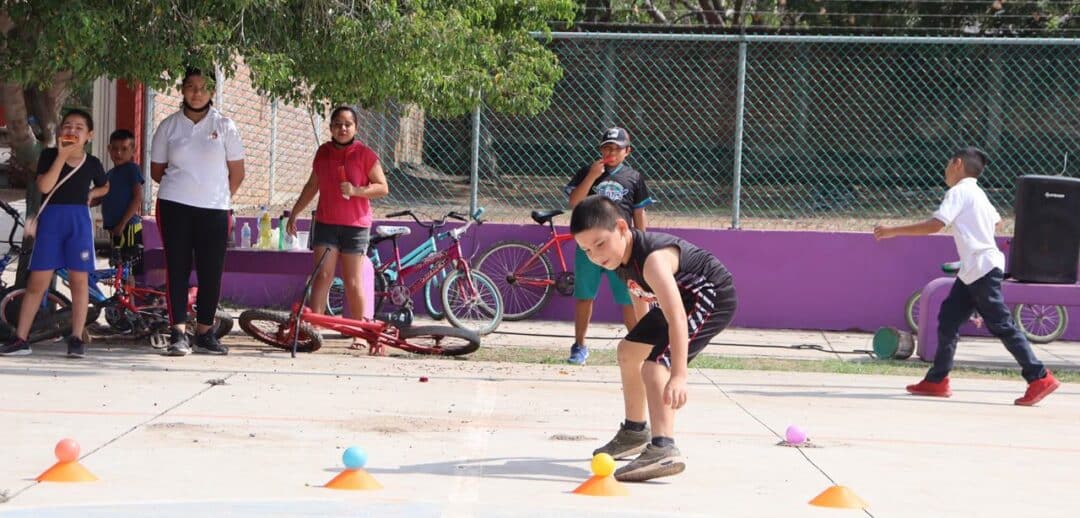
{"x": 795, "y": 435}
{"x": 67, "y": 450}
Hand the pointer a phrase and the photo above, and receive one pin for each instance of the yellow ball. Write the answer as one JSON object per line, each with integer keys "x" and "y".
{"x": 603, "y": 465}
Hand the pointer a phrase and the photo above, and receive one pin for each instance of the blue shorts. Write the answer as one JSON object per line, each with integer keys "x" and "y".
{"x": 65, "y": 239}
{"x": 587, "y": 276}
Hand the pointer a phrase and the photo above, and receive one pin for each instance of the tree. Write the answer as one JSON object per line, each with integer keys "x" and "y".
{"x": 445, "y": 56}
{"x": 439, "y": 54}
{"x": 936, "y": 17}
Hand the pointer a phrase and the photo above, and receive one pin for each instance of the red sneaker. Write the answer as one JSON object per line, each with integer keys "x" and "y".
{"x": 1039, "y": 389}
{"x": 929, "y": 388}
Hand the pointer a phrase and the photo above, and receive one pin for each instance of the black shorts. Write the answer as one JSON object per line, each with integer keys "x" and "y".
{"x": 705, "y": 319}
{"x": 344, "y": 239}
{"x": 129, "y": 244}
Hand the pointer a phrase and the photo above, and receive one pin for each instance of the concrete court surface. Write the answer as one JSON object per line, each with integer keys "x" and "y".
{"x": 483, "y": 439}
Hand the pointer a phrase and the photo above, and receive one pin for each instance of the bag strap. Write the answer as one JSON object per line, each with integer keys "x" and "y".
{"x": 58, "y": 184}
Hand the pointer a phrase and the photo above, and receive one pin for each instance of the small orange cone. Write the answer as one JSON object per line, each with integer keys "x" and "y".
{"x": 354, "y": 479}
{"x": 602, "y": 483}
{"x": 841, "y": 497}
{"x": 67, "y": 469}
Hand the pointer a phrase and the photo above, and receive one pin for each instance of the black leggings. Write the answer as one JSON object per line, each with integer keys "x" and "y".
{"x": 193, "y": 234}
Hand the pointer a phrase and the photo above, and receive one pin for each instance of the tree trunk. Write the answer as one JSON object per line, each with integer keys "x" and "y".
{"x": 655, "y": 13}
{"x": 597, "y": 10}
{"x": 24, "y": 145}
{"x": 710, "y": 11}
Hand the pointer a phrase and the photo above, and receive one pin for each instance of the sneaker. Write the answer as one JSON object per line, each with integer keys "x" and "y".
{"x": 207, "y": 343}
{"x": 626, "y": 443}
{"x": 654, "y": 462}
{"x": 578, "y": 354}
{"x": 19, "y": 347}
{"x": 76, "y": 347}
{"x": 930, "y": 388}
{"x": 178, "y": 344}
{"x": 1039, "y": 389}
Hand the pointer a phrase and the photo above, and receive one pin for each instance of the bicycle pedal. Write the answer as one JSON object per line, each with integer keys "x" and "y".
{"x": 159, "y": 341}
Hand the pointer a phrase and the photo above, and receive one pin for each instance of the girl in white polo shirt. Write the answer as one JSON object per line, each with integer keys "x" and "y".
{"x": 198, "y": 159}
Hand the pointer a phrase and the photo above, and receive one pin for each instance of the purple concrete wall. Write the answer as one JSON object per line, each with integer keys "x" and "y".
{"x": 784, "y": 279}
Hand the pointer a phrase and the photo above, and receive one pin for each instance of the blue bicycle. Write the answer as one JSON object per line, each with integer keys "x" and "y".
{"x": 335, "y": 299}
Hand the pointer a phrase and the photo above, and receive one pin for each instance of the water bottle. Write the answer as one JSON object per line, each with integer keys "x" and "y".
{"x": 231, "y": 242}
{"x": 283, "y": 235}
{"x": 245, "y": 236}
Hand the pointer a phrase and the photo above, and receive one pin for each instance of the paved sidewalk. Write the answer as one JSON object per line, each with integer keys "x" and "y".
{"x": 483, "y": 439}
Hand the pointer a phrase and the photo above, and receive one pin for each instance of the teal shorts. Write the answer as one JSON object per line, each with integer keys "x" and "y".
{"x": 587, "y": 276}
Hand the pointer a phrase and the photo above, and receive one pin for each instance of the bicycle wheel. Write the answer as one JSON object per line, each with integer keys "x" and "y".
{"x": 335, "y": 298}
{"x": 223, "y": 324}
{"x": 911, "y": 310}
{"x": 524, "y": 279}
{"x": 275, "y": 328}
{"x": 1041, "y": 323}
{"x": 438, "y": 340}
{"x": 472, "y": 303}
{"x": 382, "y": 283}
{"x": 47, "y": 324}
{"x": 433, "y": 295}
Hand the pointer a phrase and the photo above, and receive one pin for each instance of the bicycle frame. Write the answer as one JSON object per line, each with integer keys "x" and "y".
{"x": 555, "y": 242}
{"x": 375, "y": 332}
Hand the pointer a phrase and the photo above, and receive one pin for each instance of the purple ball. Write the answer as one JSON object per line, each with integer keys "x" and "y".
{"x": 795, "y": 435}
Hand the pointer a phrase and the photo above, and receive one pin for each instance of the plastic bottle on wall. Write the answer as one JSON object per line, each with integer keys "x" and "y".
{"x": 245, "y": 236}
{"x": 265, "y": 227}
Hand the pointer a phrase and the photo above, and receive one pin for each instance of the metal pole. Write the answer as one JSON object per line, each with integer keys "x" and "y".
{"x": 474, "y": 168}
{"x": 740, "y": 101}
{"x": 148, "y": 135}
{"x": 273, "y": 153}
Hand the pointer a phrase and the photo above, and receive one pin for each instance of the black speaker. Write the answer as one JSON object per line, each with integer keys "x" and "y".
{"x": 1046, "y": 244}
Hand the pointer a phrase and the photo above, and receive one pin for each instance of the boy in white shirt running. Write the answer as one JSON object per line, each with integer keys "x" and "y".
{"x": 970, "y": 217}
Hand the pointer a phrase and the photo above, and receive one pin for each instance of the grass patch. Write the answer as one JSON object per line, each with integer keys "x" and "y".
{"x": 912, "y": 368}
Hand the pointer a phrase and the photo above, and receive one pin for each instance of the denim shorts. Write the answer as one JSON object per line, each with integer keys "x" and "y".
{"x": 345, "y": 239}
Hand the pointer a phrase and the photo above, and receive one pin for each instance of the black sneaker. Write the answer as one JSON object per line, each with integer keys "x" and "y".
{"x": 654, "y": 462}
{"x": 76, "y": 347}
{"x": 626, "y": 443}
{"x": 178, "y": 344}
{"x": 207, "y": 343}
{"x": 18, "y": 347}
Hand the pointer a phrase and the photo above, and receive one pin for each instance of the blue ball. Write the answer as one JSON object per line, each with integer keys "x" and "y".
{"x": 354, "y": 457}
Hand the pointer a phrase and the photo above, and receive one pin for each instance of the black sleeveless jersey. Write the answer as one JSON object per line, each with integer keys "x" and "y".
{"x": 700, "y": 274}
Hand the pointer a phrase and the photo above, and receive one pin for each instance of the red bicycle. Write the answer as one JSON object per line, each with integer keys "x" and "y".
{"x": 523, "y": 273}
{"x": 296, "y": 331}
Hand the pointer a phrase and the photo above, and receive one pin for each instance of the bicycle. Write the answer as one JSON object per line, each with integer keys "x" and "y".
{"x": 54, "y": 319}
{"x": 336, "y": 298}
{"x": 295, "y": 330}
{"x": 469, "y": 298}
{"x": 138, "y": 310}
{"x": 523, "y": 272}
{"x": 1040, "y": 323}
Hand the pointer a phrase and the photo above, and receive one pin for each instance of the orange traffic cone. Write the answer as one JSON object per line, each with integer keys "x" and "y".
{"x": 602, "y": 483}
{"x": 67, "y": 469}
{"x": 841, "y": 497}
{"x": 354, "y": 477}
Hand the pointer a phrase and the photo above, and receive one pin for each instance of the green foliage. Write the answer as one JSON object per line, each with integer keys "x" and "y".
{"x": 925, "y": 17}
{"x": 439, "y": 54}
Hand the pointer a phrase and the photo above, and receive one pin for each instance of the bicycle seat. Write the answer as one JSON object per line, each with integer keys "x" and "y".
{"x": 385, "y": 231}
{"x": 544, "y": 216}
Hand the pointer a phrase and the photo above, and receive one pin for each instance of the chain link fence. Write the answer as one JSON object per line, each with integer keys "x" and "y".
{"x": 751, "y": 131}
